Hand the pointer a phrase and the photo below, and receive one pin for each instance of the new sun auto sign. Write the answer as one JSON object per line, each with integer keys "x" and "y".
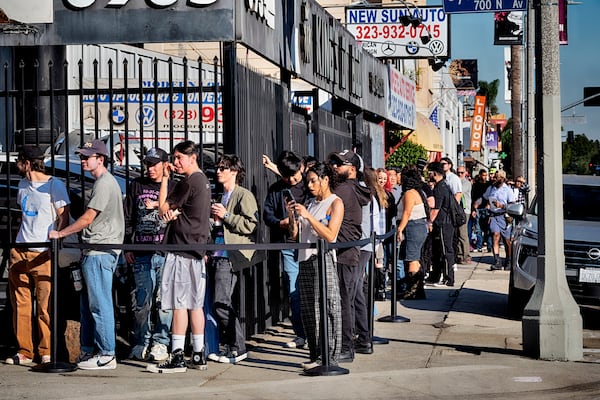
{"x": 126, "y": 21}
{"x": 381, "y": 33}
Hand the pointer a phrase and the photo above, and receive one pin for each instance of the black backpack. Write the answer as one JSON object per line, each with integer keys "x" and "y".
{"x": 456, "y": 213}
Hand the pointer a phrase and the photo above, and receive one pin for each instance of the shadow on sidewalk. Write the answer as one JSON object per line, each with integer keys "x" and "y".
{"x": 481, "y": 302}
{"x": 476, "y": 350}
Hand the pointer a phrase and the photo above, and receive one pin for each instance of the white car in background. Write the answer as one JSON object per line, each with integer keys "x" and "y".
{"x": 581, "y": 210}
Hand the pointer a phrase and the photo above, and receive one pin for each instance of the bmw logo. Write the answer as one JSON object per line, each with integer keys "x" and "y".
{"x": 118, "y": 114}
{"x": 412, "y": 48}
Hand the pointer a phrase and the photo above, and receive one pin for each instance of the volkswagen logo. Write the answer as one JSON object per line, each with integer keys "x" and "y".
{"x": 593, "y": 253}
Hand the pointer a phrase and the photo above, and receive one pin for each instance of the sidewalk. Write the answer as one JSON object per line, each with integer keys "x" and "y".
{"x": 458, "y": 343}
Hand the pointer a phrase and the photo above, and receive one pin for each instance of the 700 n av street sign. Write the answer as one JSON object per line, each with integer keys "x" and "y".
{"x": 473, "y": 6}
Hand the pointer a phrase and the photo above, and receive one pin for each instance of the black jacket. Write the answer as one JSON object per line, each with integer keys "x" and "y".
{"x": 274, "y": 208}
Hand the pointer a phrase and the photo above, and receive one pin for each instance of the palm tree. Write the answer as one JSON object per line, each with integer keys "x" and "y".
{"x": 490, "y": 91}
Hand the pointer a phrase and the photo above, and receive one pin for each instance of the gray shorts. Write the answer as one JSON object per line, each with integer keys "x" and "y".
{"x": 183, "y": 283}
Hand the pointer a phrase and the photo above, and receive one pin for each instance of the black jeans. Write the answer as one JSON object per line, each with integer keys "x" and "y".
{"x": 350, "y": 277}
{"x": 443, "y": 253}
{"x": 225, "y": 281}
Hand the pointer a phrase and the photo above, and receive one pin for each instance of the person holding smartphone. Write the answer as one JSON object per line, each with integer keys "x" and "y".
{"x": 276, "y": 217}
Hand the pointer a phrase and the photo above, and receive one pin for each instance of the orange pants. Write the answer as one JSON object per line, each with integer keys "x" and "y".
{"x": 30, "y": 271}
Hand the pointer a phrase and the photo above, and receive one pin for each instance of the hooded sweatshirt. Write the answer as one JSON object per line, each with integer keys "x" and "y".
{"x": 354, "y": 198}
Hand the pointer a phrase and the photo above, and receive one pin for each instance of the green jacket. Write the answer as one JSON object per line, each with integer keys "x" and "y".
{"x": 240, "y": 225}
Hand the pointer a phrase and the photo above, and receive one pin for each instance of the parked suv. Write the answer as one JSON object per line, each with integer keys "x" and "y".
{"x": 581, "y": 211}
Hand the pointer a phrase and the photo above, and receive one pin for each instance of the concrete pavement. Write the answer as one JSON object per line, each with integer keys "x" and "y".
{"x": 458, "y": 343}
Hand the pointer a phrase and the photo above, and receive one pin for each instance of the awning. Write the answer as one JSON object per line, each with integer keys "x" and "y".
{"x": 427, "y": 134}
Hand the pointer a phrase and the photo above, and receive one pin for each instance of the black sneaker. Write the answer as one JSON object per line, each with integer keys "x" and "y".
{"x": 174, "y": 365}
{"x": 198, "y": 361}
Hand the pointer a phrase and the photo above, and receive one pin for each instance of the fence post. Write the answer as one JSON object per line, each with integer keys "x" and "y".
{"x": 371, "y": 296}
{"x": 54, "y": 365}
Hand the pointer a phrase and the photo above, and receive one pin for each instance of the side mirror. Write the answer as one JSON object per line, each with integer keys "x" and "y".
{"x": 516, "y": 210}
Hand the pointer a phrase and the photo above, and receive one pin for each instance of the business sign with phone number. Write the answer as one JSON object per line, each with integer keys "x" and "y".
{"x": 381, "y": 33}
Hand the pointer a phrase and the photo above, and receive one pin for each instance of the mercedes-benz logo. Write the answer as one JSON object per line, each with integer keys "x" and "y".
{"x": 412, "y": 47}
{"x": 388, "y": 48}
{"x": 593, "y": 253}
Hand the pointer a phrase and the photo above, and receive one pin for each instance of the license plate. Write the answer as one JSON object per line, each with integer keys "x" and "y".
{"x": 589, "y": 275}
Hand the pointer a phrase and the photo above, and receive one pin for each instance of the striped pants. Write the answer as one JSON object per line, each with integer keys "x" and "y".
{"x": 308, "y": 279}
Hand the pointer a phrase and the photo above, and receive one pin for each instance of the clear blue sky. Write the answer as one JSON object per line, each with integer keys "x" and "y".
{"x": 472, "y": 37}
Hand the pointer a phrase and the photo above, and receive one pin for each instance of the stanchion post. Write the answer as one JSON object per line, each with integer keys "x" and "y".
{"x": 325, "y": 369}
{"x": 54, "y": 365}
{"x": 393, "y": 317}
{"x": 371, "y": 295}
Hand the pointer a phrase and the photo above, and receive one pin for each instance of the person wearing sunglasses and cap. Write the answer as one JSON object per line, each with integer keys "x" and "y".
{"x": 101, "y": 223}
{"x": 143, "y": 226}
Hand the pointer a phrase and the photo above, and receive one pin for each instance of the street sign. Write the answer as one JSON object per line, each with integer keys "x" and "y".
{"x": 474, "y": 6}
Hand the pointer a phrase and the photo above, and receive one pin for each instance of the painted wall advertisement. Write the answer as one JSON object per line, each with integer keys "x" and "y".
{"x": 401, "y": 102}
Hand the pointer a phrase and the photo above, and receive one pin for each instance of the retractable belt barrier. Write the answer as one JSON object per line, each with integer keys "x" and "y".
{"x": 325, "y": 369}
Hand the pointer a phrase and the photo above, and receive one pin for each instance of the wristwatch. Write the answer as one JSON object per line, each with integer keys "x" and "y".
{"x": 226, "y": 216}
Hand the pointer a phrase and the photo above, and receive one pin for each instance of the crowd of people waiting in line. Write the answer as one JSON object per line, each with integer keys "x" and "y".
{"x": 339, "y": 200}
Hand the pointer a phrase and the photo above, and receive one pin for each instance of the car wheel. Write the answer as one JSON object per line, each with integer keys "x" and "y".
{"x": 517, "y": 300}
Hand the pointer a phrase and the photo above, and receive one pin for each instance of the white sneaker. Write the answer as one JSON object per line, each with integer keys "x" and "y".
{"x": 297, "y": 343}
{"x": 158, "y": 353}
{"x": 139, "y": 352}
{"x": 99, "y": 362}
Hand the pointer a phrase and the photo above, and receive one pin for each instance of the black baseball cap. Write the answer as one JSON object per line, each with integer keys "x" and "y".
{"x": 155, "y": 155}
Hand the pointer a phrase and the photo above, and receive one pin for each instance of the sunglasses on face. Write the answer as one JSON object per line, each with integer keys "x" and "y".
{"x": 222, "y": 168}
{"x": 84, "y": 158}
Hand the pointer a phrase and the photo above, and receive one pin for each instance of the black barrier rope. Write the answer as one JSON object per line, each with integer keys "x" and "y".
{"x": 321, "y": 245}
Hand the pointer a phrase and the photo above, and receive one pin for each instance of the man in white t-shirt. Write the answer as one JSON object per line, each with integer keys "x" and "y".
{"x": 45, "y": 204}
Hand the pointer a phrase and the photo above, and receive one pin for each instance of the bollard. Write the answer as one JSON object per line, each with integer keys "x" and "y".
{"x": 393, "y": 317}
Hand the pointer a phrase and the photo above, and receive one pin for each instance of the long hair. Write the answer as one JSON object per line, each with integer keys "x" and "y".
{"x": 370, "y": 178}
{"x": 186, "y": 147}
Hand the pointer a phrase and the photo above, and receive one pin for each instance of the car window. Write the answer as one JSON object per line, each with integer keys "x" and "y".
{"x": 580, "y": 203}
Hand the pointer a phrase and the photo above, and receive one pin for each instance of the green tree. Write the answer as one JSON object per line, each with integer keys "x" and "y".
{"x": 577, "y": 155}
{"x": 406, "y": 154}
{"x": 490, "y": 91}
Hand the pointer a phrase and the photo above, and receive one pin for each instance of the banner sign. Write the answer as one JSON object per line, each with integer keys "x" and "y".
{"x": 380, "y": 32}
{"x": 477, "y": 124}
{"x": 491, "y": 140}
{"x": 508, "y": 28}
{"x": 474, "y": 6}
{"x": 464, "y": 74}
{"x": 161, "y": 112}
{"x": 401, "y": 102}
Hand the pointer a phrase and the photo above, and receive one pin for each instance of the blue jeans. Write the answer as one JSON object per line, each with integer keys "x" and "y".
{"x": 147, "y": 273}
{"x": 291, "y": 267}
{"x": 96, "y": 305}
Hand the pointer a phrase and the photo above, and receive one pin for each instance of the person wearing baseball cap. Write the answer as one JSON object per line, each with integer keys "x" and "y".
{"x": 44, "y": 203}
{"x": 154, "y": 156}
{"x": 143, "y": 226}
{"x": 101, "y": 223}
{"x": 93, "y": 148}
{"x": 346, "y": 165}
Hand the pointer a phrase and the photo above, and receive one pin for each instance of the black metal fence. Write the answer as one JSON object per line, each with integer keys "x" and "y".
{"x": 135, "y": 102}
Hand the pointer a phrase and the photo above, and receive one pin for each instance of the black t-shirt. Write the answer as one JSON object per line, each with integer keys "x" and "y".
{"x": 192, "y": 197}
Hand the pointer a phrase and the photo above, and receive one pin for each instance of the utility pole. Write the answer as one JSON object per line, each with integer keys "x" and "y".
{"x": 516, "y": 97}
{"x": 530, "y": 143}
{"x": 552, "y": 325}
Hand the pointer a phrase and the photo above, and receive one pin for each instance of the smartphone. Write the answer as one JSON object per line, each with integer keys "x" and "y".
{"x": 288, "y": 196}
